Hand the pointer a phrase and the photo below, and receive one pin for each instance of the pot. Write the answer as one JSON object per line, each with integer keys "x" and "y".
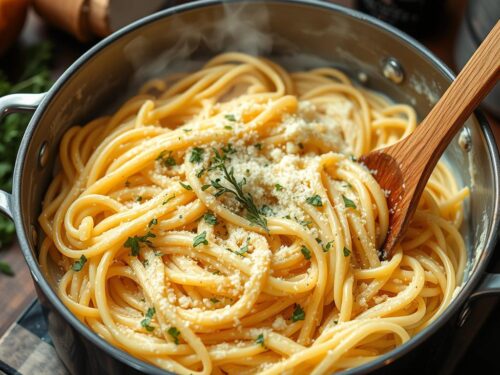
{"x": 297, "y": 33}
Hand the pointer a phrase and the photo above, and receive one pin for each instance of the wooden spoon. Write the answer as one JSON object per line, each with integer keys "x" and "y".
{"x": 404, "y": 168}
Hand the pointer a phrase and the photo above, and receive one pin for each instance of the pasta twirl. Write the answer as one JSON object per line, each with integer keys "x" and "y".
{"x": 218, "y": 222}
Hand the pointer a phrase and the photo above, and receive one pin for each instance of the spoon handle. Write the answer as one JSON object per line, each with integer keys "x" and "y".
{"x": 466, "y": 92}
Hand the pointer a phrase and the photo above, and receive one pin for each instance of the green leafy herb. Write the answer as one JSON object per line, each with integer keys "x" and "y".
{"x": 243, "y": 249}
{"x": 146, "y": 322}
{"x": 315, "y": 201}
{"x": 353, "y": 158}
{"x": 230, "y": 117}
{"x": 139, "y": 198}
{"x": 78, "y": 265}
{"x": 258, "y": 146}
{"x": 168, "y": 199}
{"x": 200, "y": 172}
{"x": 253, "y": 214}
{"x": 305, "y": 252}
{"x": 278, "y": 187}
{"x": 347, "y": 252}
{"x": 167, "y": 161}
{"x": 260, "y": 340}
{"x": 328, "y": 246}
{"x": 205, "y": 187}
{"x": 6, "y": 269}
{"x": 134, "y": 243}
{"x": 196, "y": 155}
{"x": 34, "y": 77}
{"x": 298, "y": 313}
{"x": 187, "y": 130}
{"x": 200, "y": 239}
{"x": 185, "y": 186}
{"x": 228, "y": 127}
{"x": 348, "y": 203}
{"x": 214, "y": 300}
{"x": 228, "y": 149}
{"x": 210, "y": 218}
{"x": 174, "y": 333}
{"x": 153, "y": 221}
{"x": 266, "y": 210}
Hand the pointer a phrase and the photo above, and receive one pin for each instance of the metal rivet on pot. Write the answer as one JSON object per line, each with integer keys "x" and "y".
{"x": 393, "y": 70}
{"x": 43, "y": 155}
{"x": 465, "y": 140}
{"x": 362, "y": 77}
{"x": 34, "y": 235}
{"x": 464, "y": 315}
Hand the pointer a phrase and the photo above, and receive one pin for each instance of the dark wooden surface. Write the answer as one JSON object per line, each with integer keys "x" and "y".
{"x": 17, "y": 292}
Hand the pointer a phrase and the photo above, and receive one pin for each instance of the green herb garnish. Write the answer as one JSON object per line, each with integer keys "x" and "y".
{"x": 174, "y": 333}
{"x": 230, "y": 117}
{"x": 210, "y": 218}
{"x": 185, "y": 186}
{"x": 305, "y": 252}
{"x": 168, "y": 199}
{"x": 196, "y": 155}
{"x": 134, "y": 243}
{"x": 153, "y": 221}
{"x": 328, "y": 246}
{"x": 146, "y": 322}
{"x": 78, "y": 265}
{"x": 348, "y": 203}
{"x": 246, "y": 199}
{"x": 200, "y": 239}
{"x": 315, "y": 201}
{"x": 347, "y": 252}
{"x": 260, "y": 340}
{"x": 298, "y": 313}
{"x": 278, "y": 187}
{"x": 214, "y": 300}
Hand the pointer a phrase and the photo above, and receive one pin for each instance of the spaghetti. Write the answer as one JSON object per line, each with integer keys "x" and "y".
{"x": 219, "y": 223}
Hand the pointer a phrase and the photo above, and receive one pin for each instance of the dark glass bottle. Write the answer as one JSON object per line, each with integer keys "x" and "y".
{"x": 416, "y": 17}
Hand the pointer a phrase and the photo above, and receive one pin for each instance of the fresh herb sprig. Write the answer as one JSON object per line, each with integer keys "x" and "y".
{"x": 254, "y": 216}
{"x": 34, "y": 78}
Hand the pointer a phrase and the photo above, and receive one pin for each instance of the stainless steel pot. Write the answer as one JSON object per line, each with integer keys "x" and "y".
{"x": 297, "y": 33}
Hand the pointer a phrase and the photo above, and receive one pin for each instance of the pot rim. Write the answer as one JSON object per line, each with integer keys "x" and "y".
{"x": 140, "y": 365}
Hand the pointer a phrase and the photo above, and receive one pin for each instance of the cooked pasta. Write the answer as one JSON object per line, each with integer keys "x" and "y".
{"x": 219, "y": 222}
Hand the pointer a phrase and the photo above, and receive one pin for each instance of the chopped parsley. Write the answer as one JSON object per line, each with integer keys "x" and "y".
{"x": 258, "y": 146}
{"x": 228, "y": 149}
{"x": 305, "y": 252}
{"x": 200, "y": 172}
{"x": 243, "y": 249}
{"x": 315, "y": 201}
{"x": 230, "y": 117}
{"x": 210, "y": 218}
{"x": 134, "y": 243}
{"x": 298, "y": 313}
{"x": 205, "y": 187}
{"x": 166, "y": 160}
{"x": 174, "y": 333}
{"x": 348, "y": 203}
{"x": 327, "y": 247}
{"x": 260, "y": 340}
{"x": 200, "y": 239}
{"x": 278, "y": 187}
{"x": 146, "y": 322}
{"x": 168, "y": 199}
{"x": 185, "y": 186}
{"x": 214, "y": 300}
{"x": 78, "y": 265}
{"x": 153, "y": 221}
{"x": 228, "y": 127}
{"x": 196, "y": 155}
{"x": 347, "y": 252}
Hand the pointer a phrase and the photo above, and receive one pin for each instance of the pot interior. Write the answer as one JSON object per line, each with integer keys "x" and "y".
{"x": 297, "y": 35}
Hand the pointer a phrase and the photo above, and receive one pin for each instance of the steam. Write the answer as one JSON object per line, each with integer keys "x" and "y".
{"x": 242, "y": 28}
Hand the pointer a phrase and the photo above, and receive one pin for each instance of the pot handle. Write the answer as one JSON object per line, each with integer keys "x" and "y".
{"x": 490, "y": 285}
{"x": 11, "y": 104}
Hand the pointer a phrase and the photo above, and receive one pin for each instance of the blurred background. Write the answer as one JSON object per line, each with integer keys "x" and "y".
{"x": 39, "y": 39}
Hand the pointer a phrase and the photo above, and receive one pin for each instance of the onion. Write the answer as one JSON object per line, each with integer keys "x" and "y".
{"x": 12, "y": 16}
